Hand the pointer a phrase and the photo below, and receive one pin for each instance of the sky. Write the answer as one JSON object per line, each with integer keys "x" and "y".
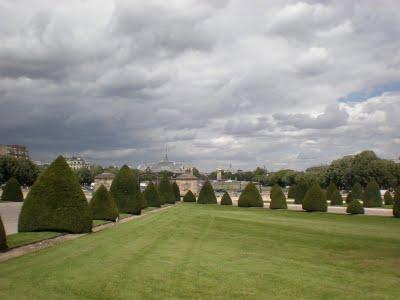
{"x": 280, "y": 84}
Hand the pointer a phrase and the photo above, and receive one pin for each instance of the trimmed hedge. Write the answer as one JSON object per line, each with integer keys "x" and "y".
{"x": 165, "y": 190}
{"x": 355, "y": 208}
{"x": 103, "y": 206}
{"x": 396, "y": 203}
{"x": 291, "y": 192}
{"x": 372, "y": 195}
{"x": 125, "y": 190}
{"x": 189, "y": 197}
{"x": 315, "y": 199}
{"x": 349, "y": 197}
{"x": 300, "y": 191}
{"x": 250, "y": 197}
{"x": 332, "y": 188}
{"x": 278, "y": 199}
{"x": 151, "y": 195}
{"x": 3, "y": 237}
{"x": 176, "y": 191}
{"x": 56, "y": 203}
{"x": 336, "y": 198}
{"x": 12, "y": 191}
{"x": 226, "y": 199}
{"x": 388, "y": 198}
{"x": 357, "y": 191}
{"x": 207, "y": 195}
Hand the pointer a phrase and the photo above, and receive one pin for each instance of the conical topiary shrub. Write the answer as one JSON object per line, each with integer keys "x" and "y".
{"x": 396, "y": 203}
{"x": 357, "y": 191}
{"x": 250, "y": 197}
{"x": 125, "y": 190}
{"x": 165, "y": 190}
{"x": 330, "y": 191}
{"x": 103, "y": 206}
{"x": 315, "y": 199}
{"x": 372, "y": 195}
{"x": 336, "y": 198}
{"x": 355, "y": 208}
{"x": 3, "y": 237}
{"x": 151, "y": 195}
{"x": 207, "y": 195}
{"x": 226, "y": 199}
{"x": 12, "y": 191}
{"x": 278, "y": 199}
{"x": 349, "y": 197}
{"x": 56, "y": 202}
{"x": 300, "y": 191}
{"x": 176, "y": 191}
{"x": 189, "y": 197}
{"x": 388, "y": 198}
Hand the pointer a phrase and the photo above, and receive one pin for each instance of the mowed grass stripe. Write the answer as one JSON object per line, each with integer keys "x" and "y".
{"x": 209, "y": 251}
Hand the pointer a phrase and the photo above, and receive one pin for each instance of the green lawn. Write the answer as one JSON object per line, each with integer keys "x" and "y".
{"x": 195, "y": 251}
{"x": 24, "y": 238}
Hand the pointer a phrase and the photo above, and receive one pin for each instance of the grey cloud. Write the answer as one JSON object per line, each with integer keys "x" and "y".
{"x": 332, "y": 117}
{"x": 218, "y": 81}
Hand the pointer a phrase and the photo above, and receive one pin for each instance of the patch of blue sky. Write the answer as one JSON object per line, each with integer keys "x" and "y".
{"x": 362, "y": 95}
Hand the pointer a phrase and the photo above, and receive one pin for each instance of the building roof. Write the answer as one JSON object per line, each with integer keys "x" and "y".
{"x": 186, "y": 176}
{"x": 164, "y": 165}
{"x": 105, "y": 175}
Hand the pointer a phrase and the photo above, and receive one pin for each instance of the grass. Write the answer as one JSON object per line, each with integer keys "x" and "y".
{"x": 210, "y": 251}
{"x": 24, "y": 238}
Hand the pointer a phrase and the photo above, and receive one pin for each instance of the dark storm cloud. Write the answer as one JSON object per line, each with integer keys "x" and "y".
{"x": 220, "y": 82}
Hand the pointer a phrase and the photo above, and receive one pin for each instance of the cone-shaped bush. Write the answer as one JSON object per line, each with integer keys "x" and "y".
{"x": 396, "y": 203}
{"x": 125, "y": 190}
{"x": 315, "y": 199}
{"x": 144, "y": 201}
{"x": 330, "y": 191}
{"x": 355, "y": 208}
{"x": 226, "y": 199}
{"x": 357, "y": 191}
{"x": 349, "y": 197}
{"x": 388, "y": 198}
{"x": 301, "y": 189}
{"x": 336, "y": 198}
{"x": 278, "y": 199}
{"x": 165, "y": 190}
{"x": 151, "y": 195}
{"x": 103, "y": 206}
{"x": 189, "y": 197}
{"x": 12, "y": 191}
{"x": 3, "y": 237}
{"x": 250, "y": 197}
{"x": 56, "y": 202}
{"x": 176, "y": 191}
{"x": 291, "y": 192}
{"x": 372, "y": 195}
{"x": 207, "y": 195}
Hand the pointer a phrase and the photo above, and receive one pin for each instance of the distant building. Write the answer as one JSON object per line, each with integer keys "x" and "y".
{"x": 105, "y": 179}
{"x": 219, "y": 174}
{"x": 187, "y": 181}
{"x": 76, "y": 163}
{"x": 397, "y": 161}
{"x": 163, "y": 165}
{"x": 16, "y": 151}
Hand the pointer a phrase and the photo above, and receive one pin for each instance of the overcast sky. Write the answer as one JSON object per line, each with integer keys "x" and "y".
{"x": 285, "y": 84}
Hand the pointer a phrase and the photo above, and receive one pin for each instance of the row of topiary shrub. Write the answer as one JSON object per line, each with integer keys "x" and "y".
{"x": 370, "y": 197}
{"x": 56, "y": 201}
